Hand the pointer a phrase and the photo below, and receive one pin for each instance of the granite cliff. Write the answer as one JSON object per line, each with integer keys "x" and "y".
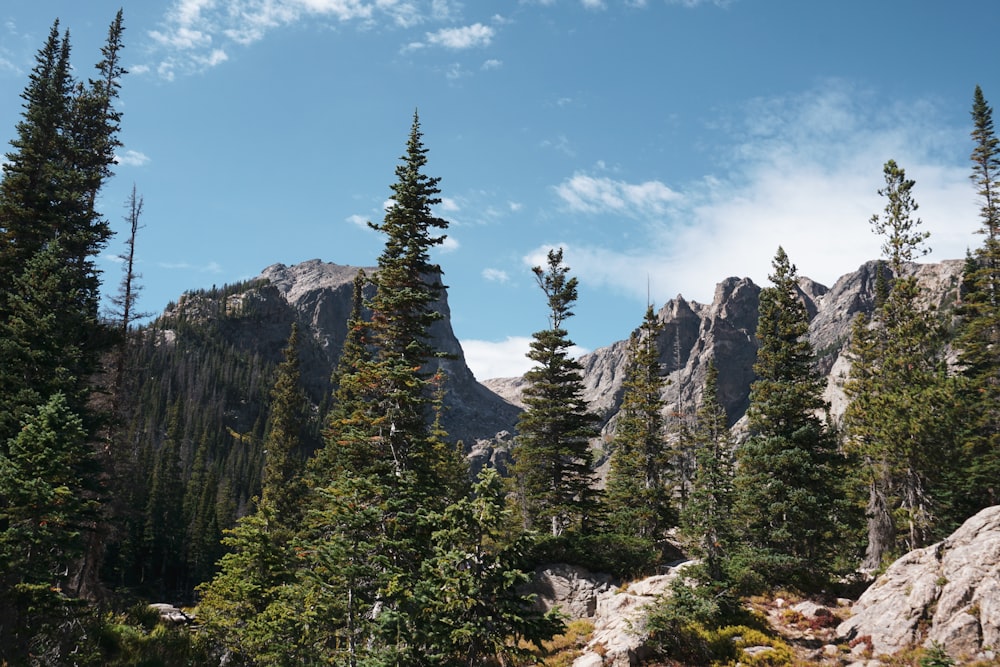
{"x": 693, "y": 333}
{"x": 318, "y": 296}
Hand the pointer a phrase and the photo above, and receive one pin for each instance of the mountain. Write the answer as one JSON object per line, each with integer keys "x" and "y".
{"x": 202, "y": 373}
{"x": 725, "y": 330}
{"x": 257, "y": 316}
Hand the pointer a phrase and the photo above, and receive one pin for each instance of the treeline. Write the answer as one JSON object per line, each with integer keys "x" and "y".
{"x": 173, "y": 461}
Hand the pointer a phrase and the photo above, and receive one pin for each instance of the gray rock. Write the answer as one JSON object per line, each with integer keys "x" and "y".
{"x": 618, "y": 612}
{"x": 725, "y": 331}
{"x": 319, "y": 297}
{"x": 949, "y": 590}
{"x": 170, "y": 614}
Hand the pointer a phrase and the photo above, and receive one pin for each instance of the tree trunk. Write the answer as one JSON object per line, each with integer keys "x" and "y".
{"x": 881, "y": 529}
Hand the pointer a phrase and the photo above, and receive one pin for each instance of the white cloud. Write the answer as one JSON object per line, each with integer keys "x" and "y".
{"x": 804, "y": 174}
{"x": 8, "y": 65}
{"x": 194, "y": 33}
{"x": 211, "y": 267}
{"x": 592, "y": 4}
{"x": 449, "y": 205}
{"x": 358, "y": 221}
{"x": 466, "y": 37}
{"x": 503, "y": 359}
{"x": 590, "y": 194}
{"x": 496, "y": 275}
{"x": 450, "y": 244}
{"x": 132, "y": 158}
{"x": 492, "y": 63}
{"x": 506, "y": 358}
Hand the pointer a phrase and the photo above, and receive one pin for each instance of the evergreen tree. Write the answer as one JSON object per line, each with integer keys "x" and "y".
{"x": 51, "y": 339}
{"x": 552, "y": 452}
{"x": 469, "y": 582}
{"x": 398, "y": 383}
{"x": 385, "y": 466}
{"x": 637, "y": 492}
{"x": 979, "y": 335}
{"x": 283, "y": 484}
{"x": 47, "y": 480}
{"x": 899, "y": 415}
{"x": 250, "y": 605}
{"x": 786, "y": 475}
{"x": 707, "y": 518}
{"x": 343, "y": 452}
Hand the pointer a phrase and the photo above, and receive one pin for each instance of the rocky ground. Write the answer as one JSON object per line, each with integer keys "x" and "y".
{"x": 945, "y": 598}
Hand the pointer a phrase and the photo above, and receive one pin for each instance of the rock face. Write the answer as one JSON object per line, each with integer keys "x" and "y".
{"x": 617, "y": 613}
{"x": 947, "y": 593}
{"x": 725, "y": 331}
{"x": 319, "y": 297}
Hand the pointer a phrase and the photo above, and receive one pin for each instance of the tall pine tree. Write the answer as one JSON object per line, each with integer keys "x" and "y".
{"x": 637, "y": 492}
{"x": 899, "y": 415}
{"x": 979, "y": 335}
{"x": 707, "y": 518}
{"x": 51, "y": 338}
{"x": 786, "y": 479}
{"x": 553, "y": 459}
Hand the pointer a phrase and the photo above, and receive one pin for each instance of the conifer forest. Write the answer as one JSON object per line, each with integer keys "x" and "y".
{"x": 158, "y": 460}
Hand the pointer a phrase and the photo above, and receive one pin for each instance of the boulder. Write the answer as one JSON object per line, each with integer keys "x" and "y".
{"x": 617, "y": 611}
{"x": 947, "y": 594}
{"x": 170, "y": 614}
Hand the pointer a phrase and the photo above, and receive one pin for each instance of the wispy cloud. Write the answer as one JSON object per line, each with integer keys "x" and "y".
{"x": 506, "y": 358}
{"x": 358, "y": 221}
{"x": 195, "y": 35}
{"x": 803, "y": 173}
{"x": 599, "y": 194}
{"x": 496, "y": 275}
{"x": 211, "y": 267}
{"x": 7, "y": 65}
{"x": 132, "y": 158}
{"x": 465, "y": 37}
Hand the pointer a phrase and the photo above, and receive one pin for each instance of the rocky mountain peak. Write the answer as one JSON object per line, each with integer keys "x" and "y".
{"x": 725, "y": 330}
{"x": 319, "y": 296}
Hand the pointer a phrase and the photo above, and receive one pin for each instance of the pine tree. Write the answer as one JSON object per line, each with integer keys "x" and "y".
{"x": 638, "y": 493}
{"x": 385, "y": 466}
{"x": 899, "y": 415}
{"x": 469, "y": 583}
{"x": 253, "y": 604}
{"x": 344, "y": 448}
{"x": 707, "y": 518}
{"x": 283, "y": 484}
{"x": 552, "y": 452}
{"x": 398, "y": 381}
{"x": 979, "y": 334}
{"x": 786, "y": 473}
{"x": 47, "y": 478}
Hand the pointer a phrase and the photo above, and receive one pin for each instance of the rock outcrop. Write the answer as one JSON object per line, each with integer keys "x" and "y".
{"x": 946, "y": 594}
{"x": 617, "y": 612}
{"x": 319, "y": 297}
{"x": 725, "y": 331}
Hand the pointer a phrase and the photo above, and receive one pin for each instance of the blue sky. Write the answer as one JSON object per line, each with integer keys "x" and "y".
{"x": 664, "y": 144}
